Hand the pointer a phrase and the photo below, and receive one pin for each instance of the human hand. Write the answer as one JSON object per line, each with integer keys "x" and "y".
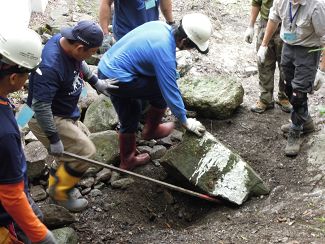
{"x": 56, "y": 148}
{"x": 249, "y": 34}
{"x": 261, "y": 54}
{"x": 319, "y": 79}
{"x": 103, "y": 85}
{"x": 107, "y": 43}
{"x": 194, "y": 126}
{"x": 49, "y": 239}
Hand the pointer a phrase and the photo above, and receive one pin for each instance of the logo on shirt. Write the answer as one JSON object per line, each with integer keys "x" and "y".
{"x": 76, "y": 85}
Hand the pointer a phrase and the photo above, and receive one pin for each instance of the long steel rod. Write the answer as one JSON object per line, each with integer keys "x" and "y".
{"x": 167, "y": 185}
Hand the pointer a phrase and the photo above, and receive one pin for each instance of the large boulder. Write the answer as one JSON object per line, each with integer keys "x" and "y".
{"x": 101, "y": 115}
{"x": 213, "y": 169}
{"x": 214, "y": 97}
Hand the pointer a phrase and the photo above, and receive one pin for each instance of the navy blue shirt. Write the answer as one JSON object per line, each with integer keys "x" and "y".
{"x": 131, "y": 14}
{"x": 61, "y": 81}
{"x": 13, "y": 166}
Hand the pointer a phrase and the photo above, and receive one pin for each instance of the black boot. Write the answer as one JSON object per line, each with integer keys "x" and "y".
{"x": 293, "y": 143}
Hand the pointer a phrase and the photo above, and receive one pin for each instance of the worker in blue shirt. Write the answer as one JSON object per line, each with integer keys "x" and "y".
{"x": 54, "y": 96}
{"x": 20, "y": 53}
{"x": 144, "y": 63}
{"x": 131, "y": 14}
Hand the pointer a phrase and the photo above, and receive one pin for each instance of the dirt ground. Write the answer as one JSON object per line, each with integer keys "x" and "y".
{"x": 147, "y": 213}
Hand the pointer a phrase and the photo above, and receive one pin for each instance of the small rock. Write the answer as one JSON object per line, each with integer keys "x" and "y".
{"x": 86, "y": 191}
{"x": 103, "y": 175}
{"x": 87, "y": 182}
{"x": 38, "y": 193}
{"x": 95, "y": 193}
{"x": 115, "y": 176}
{"x": 99, "y": 186}
{"x": 158, "y": 151}
{"x": 122, "y": 183}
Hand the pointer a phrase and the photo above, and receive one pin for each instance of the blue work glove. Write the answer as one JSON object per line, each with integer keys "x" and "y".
{"x": 49, "y": 239}
{"x": 56, "y": 148}
{"x": 103, "y": 85}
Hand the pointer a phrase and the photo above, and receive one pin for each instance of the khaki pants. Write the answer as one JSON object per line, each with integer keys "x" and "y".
{"x": 267, "y": 69}
{"x": 73, "y": 138}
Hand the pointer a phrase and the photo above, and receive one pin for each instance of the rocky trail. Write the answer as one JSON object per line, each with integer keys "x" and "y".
{"x": 143, "y": 212}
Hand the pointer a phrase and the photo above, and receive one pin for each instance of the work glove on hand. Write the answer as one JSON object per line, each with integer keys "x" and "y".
{"x": 107, "y": 43}
{"x": 319, "y": 79}
{"x": 261, "y": 54}
{"x": 103, "y": 85}
{"x": 194, "y": 126}
{"x": 249, "y": 34}
{"x": 56, "y": 148}
{"x": 49, "y": 239}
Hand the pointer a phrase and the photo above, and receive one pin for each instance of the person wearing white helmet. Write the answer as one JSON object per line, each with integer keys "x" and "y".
{"x": 20, "y": 53}
{"x": 144, "y": 63}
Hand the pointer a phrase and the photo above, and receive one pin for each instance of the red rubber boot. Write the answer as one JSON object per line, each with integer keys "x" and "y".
{"x": 129, "y": 160}
{"x": 153, "y": 128}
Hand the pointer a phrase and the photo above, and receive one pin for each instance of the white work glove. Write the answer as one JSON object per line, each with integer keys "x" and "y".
{"x": 56, "y": 149}
{"x": 249, "y": 34}
{"x": 261, "y": 54}
{"x": 319, "y": 79}
{"x": 103, "y": 85}
{"x": 194, "y": 126}
{"x": 49, "y": 239}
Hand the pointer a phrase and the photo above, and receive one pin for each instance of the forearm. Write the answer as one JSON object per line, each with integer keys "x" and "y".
{"x": 166, "y": 9}
{"x": 253, "y": 16}
{"x": 15, "y": 202}
{"x": 44, "y": 117}
{"x": 270, "y": 29}
{"x": 88, "y": 74}
{"x": 105, "y": 14}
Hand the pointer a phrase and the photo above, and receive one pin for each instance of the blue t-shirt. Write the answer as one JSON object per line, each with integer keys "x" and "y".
{"x": 148, "y": 50}
{"x": 13, "y": 166}
{"x": 60, "y": 83}
{"x": 131, "y": 14}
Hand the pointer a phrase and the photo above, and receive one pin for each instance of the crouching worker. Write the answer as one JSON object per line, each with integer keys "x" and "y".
{"x": 144, "y": 62}
{"x": 20, "y": 52}
{"x": 54, "y": 96}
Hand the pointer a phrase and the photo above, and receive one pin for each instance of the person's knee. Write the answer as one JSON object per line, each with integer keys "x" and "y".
{"x": 88, "y": 149}
{"x": 298, "y": 100}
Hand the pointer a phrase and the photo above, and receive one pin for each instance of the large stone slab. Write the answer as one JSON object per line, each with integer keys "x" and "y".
{"x": 212, "y": 96}
{"x": 56, "y": 216}
{"x": 213, "y": 168}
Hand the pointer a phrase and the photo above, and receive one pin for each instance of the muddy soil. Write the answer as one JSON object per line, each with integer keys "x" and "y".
{"x": 147, "y": 213}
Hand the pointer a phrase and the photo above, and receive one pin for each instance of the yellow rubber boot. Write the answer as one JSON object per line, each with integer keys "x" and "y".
{"x": 61, "y": 184}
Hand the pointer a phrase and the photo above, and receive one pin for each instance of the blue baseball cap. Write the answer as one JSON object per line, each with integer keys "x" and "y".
{"x": 86, "y": 32}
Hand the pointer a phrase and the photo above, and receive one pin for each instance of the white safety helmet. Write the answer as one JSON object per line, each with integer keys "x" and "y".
{"x": 198, "y": 28}
{"x": 20, "y": 46}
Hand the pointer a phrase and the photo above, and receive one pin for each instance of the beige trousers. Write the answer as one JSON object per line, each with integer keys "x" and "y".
{"x": 73, "y": 138}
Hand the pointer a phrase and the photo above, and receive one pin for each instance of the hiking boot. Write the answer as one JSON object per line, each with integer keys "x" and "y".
{"x": 284, "y": 105}
{"x": 293, "y": 143}
{"x": 61, "y": 183}
{"x": 260, "y": 107}
{"x": 308, "y": 127}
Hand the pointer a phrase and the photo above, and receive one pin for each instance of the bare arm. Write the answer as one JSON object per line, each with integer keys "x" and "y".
{"x": 166, "y": 9}
{"x": 254, "y": 13}
{"x": 105, "y": 14}
{"x": 270, "y": 29}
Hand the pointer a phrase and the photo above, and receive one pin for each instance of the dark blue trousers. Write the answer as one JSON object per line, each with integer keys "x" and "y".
{"x": 128, "y": 99}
